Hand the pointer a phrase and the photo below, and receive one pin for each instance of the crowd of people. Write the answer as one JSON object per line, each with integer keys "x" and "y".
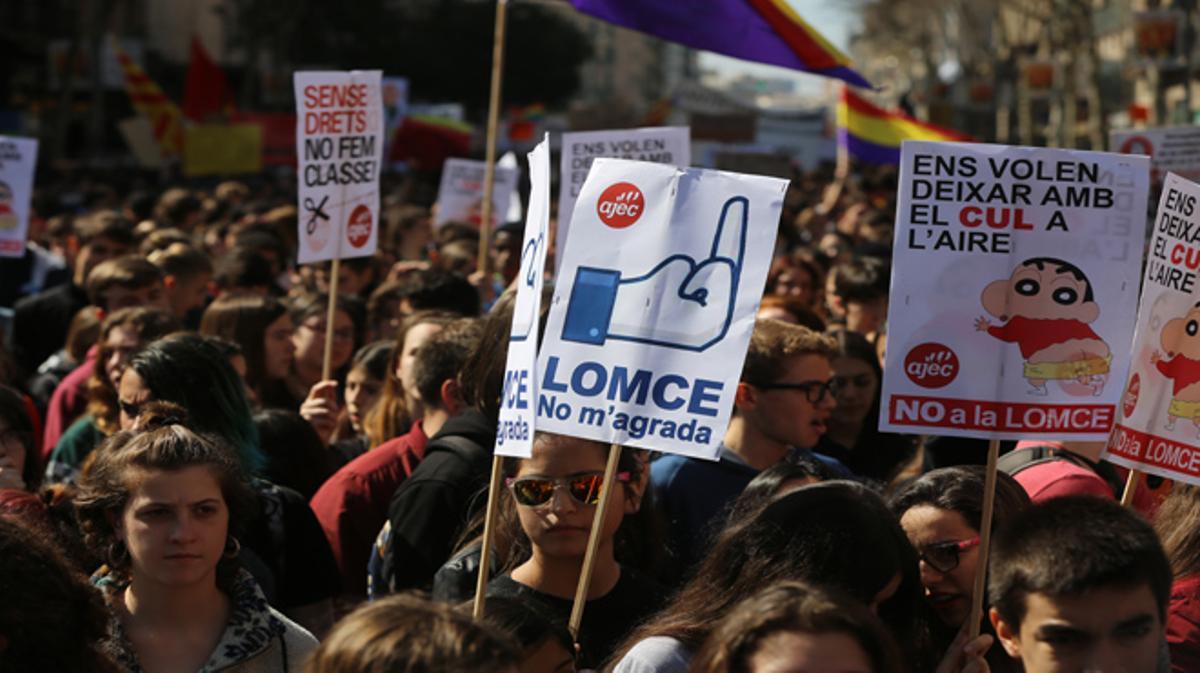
{"x": 183, "y": 489}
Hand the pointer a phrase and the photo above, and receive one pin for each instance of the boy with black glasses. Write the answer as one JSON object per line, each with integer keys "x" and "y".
{"x": 782, "y": 404}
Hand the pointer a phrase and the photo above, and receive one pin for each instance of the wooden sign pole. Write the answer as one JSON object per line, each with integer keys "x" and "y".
{"x": 589, "y": 558}
{"x": 489, "y": 172}
{"x": 975, "y": 618}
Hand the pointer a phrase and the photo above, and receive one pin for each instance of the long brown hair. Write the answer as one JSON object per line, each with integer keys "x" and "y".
{"x": 793, "y": 607}
{"x": 1178, "y": 526}
{"x": 148, "y": 324}
{"x": 244, "y": 321}
{"x": 407, "y": 634}
{"x": 834, "y": 533}
{"x": 390, "y": 416}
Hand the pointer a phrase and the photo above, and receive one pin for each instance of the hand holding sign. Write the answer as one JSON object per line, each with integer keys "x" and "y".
{"x": 678, "y": 291}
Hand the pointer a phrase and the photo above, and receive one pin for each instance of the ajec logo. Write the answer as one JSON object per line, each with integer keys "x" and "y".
{"x": 1130, "y": 400}
{"x": 931, "y": 365}
{"x": 358, "y": 229}
{"x": 620, "y": 205}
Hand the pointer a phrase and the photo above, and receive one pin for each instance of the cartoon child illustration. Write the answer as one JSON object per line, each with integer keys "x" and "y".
{"x": 1181, "y": 341}
{"x": 1048, "y": 305}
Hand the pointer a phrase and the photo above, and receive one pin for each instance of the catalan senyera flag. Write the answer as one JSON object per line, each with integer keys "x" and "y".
{"x": 764, "y": 31}
{"x": 869, "y": 133}
{"x": 166, "y": 120}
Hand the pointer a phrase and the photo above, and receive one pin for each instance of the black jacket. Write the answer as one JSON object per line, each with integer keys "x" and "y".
{"x": 432, "y": 507}
{"x": 41, "y": 322}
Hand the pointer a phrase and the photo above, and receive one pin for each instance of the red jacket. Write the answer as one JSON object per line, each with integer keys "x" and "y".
{"x": 353, "y": 504}
{"x": 1183, "y": 625}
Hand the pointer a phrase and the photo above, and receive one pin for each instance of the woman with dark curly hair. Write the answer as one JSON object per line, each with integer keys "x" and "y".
{"x": 50, "y": 619}
{"x": 165, "y": 504}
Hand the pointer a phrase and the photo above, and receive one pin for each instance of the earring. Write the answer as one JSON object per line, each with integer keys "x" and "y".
{"x": 232, "y": 548}
{"x": 117, "y": 555}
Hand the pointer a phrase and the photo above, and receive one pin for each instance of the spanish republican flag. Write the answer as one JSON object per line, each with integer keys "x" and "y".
{"x": 870, "y": 133}
{"x": 764, "y": 31}
{"x": 165, "y": 118}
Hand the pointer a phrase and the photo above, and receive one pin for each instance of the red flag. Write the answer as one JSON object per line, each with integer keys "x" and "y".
{"x": 207, "y": 93}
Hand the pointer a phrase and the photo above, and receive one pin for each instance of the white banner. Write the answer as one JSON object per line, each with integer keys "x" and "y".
{"x": 1013, "y": 292}
{"x": 662, "y": 145}
{"x": 460, "y": 193}
{"x": 514, "y": 434}
{"x": 18, "y": 157}
{"x": 1158, "y": 430}
{"x": 654, "y": 305}
{"x": 339, "y": 145}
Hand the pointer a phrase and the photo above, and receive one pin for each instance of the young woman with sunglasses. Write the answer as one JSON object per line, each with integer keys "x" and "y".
{"x": 553, "y": 497}
{"x": 941, "y": 513}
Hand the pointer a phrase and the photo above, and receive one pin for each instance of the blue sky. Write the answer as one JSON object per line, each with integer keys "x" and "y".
{"x": 835, "y": 20}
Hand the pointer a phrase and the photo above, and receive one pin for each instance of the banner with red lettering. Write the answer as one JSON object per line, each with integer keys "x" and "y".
{"x": 1014, "y": 290}
{"x": 1158, "y": 423}
{"x": 339, "y": 146}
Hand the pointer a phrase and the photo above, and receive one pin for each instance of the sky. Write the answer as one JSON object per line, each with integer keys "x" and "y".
{"x": 835, "y": 20}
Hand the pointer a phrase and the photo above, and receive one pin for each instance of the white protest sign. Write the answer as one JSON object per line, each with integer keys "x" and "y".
{"x": 662, "y": 145}
{"x": 1013, "y": 292}
{"x": 460, "y": 193}
{"x": 18, "y": 156}
{"x": 514, "y": 433}
{"x": 1158, "y": 429}
{"x": 1175, "y": 150}
{"x": 654, "y": 305}
{"x": 339, "y": 143}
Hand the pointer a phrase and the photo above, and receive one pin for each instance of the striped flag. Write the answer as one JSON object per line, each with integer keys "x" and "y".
{"x": 166, "y": 120}
{"x": 764, "y": 31}
{"x": 869, "y": 133}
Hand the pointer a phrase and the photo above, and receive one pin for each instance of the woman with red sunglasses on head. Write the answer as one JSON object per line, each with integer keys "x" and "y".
{"x": 941, "y": 512}
{"x": 552, "y": 500}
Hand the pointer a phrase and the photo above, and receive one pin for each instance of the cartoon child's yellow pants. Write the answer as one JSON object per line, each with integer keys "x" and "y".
{"x": 1074, "y": 369}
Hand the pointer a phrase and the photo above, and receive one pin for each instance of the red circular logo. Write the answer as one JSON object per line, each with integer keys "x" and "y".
{"x": 358, "y": 230}
{"x": 931, "y": 365}
{"x": 1130, "y": 400}
{"x": 620, "y": 205}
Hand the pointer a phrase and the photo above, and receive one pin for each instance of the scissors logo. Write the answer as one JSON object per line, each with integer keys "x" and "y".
{"x": 316, "y": 212}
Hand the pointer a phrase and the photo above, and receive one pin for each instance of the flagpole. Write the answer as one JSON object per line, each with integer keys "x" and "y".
{"x": 489, "y": 171}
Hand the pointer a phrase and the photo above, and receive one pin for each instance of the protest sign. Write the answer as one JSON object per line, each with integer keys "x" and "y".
{"x": 1013, "y": 291}
{"x": 654, "y": 305}
{"x": 514, "y": 433}
{"x": 460, "y": 192}
{"x": 1175, "y": 150}
{"x": 663, "y": 145}
{"x": 18, "y": 156}
{"x": 222, "y": 149}
{"x": 339, "y": 141}
{"x": 1158, "y": 428}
